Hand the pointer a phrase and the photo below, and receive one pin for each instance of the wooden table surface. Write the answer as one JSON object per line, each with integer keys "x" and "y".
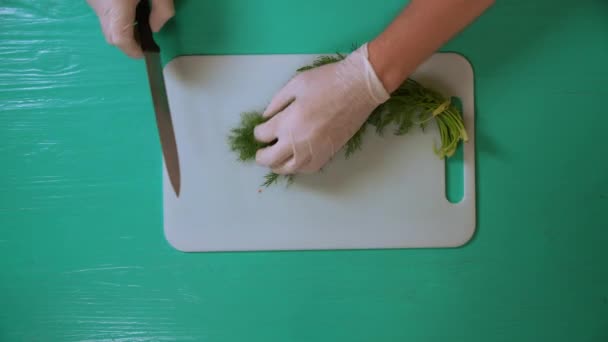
{"x": 82, "y": 251}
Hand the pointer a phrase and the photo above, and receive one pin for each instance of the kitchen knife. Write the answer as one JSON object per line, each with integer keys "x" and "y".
{"x": 143, "y": 34}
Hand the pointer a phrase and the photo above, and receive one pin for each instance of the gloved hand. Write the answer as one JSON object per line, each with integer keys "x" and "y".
{"x": 117, "y": 18}
{"x": 317, "y": 112}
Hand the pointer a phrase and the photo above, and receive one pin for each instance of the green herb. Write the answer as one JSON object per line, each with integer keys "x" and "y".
{"x": 242, "y": 140}
{"x": 410, "y": 105}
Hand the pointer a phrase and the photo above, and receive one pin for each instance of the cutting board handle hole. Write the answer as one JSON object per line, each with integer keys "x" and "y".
{"x": 454, "y": 170}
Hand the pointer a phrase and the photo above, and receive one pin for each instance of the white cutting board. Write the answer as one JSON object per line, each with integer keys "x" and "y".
{"x": 390, "y": 194}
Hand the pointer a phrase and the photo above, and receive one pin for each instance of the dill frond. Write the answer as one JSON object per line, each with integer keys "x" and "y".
{"x": 270, "y": 178}
{"x": 274, "y": 178}
{"x": 241, "y": 138}
{"x": 355, "y": 143}
{"x": 320, "y": 61}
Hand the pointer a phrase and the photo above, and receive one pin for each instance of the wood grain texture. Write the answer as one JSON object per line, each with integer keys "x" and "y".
{"x": 83, "y": 257}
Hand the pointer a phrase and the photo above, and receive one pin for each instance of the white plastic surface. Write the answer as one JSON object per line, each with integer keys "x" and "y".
{"x": 390, "y": 194}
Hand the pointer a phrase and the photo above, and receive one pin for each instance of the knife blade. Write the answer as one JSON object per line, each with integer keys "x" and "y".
{"x": 164, "y": 123}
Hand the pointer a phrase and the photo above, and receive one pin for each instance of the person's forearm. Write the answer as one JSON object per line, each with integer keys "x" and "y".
{"x": 420, "y": 30}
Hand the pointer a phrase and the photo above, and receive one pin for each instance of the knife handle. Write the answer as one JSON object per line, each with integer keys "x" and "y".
{"x": 143, "y": 32}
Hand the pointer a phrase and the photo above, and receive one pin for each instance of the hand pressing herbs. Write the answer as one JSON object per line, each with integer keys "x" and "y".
{"x": 411, "y": 104}
{"x": 330, "y": 105}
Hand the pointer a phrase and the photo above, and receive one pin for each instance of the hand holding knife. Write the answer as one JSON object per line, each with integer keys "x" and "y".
{"x": 143, "y": 34}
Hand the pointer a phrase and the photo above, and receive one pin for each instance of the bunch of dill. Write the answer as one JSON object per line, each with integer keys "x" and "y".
{"x": 410, "y": 105}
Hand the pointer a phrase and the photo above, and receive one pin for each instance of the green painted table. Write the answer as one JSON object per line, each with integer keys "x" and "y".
{"x": 82, "y": 252}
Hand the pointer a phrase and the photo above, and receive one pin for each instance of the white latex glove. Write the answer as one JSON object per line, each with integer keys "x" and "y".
{"x": 317, "y": 112}
{"x": 117, "y": 18}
